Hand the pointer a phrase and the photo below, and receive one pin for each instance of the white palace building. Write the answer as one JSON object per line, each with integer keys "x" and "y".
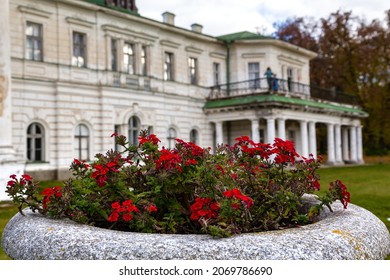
{"x": 73, "y": 72}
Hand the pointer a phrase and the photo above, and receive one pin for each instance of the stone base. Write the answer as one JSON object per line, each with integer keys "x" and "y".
{"x": 354, "y": 233}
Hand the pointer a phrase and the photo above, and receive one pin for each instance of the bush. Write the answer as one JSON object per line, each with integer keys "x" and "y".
{"x": 246, "y": 187}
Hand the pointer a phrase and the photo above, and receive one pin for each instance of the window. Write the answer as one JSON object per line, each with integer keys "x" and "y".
{"x": 81, "y": 137}
{"x": 193, "y": 67}
{"x": 79, "y": 49}
{"x": 34, "y": 41}
{"x": 290, "y": 78}
{"x": 171, "y": 138}
{"x": 168, "y": 66}
{"x": 254, "y": 74}
{"x": 216, "y": 73}
{"x": 194, "y": 136}
{"x": 35, "y": 142}
{"x": 134, "y": 130}
{"x": 144, "y": 60}
{"x": 114, "y": 55}
{"x": 128, "y": 58}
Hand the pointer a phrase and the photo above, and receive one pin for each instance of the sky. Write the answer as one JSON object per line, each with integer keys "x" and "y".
{"x": 219, "y": 17}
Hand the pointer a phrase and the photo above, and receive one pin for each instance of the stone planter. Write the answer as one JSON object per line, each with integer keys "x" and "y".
{"x": 354, "y": 233}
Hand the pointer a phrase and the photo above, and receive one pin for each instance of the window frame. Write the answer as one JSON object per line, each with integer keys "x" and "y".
{"x": 78, "y": 140}
{"x": 31, "y": 143}
{"x": 171, "y": 137}
{"x": 169, "y": 66}
{"x": 217, "y": 73}
{"x": 193, "y": 70}
{"x": 129, "y": 67}
{"x": 134, "y": 128}
{"x": 79, "y": 49}
{"x": 34, "y": 39}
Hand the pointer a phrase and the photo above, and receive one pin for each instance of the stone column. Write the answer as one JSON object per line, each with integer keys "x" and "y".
{"x": 345, "y": 145}
{"x": 304, "y": 138}
{"x": 9, "y": 164}
{"x": 255, "y": 130}
{"x": 359, "y": 144}
{"x": 338, "y": 143}
{"x": 312, "y": 139}
{"x": 270, "y": 130}
{"x": 282, "y": 128}
{"x": 353, "y": 142}
{"x": 219, "y": 133}
{"x": 331, "y": 150}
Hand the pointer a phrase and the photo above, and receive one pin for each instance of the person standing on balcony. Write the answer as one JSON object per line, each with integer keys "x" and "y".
{"x": 269, "y": 75}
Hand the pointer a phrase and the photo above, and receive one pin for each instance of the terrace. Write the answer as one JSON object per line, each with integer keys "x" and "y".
{"x": 257, "y": 87}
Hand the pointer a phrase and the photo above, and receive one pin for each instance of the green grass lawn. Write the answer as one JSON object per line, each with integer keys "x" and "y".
{"x": 369, "y": 186}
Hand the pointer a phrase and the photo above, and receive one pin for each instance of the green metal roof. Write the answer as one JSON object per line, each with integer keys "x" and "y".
{"x": 253, "y": 99}
{"x": 244, "y": 35}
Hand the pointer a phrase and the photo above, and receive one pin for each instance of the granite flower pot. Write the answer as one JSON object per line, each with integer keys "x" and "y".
{"x": 353, "y": 233}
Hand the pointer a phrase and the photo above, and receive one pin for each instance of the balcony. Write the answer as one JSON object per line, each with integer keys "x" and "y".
{"x": 285, "y": 88}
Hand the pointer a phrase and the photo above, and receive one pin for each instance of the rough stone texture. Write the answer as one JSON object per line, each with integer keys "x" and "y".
{"x": 354, "y": 233}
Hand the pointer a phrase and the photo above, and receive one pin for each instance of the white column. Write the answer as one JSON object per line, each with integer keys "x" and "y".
{"x": 359, "y": 144}
{"x": 9, "y": 164}
{"x": 255, "y": 130}
{"x": 5, "y": 84}
{"x": 345, "y": 145}
{"x": 353, "y": 144}
{"x": 282, "y": 128}
{"x": 304, "y": 139}
{"x": 338, "y": 143}
{"x": 331, "y": 150}
{"x": 219, "y": 133}
{"x": 270, "y": 130}
{"x": 312, "y": 139}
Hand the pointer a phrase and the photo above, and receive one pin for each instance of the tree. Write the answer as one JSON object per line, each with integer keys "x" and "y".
{"x": 354, "y": 58}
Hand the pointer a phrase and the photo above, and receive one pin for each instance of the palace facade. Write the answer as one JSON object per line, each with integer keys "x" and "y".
{"x": 74, "y": 72}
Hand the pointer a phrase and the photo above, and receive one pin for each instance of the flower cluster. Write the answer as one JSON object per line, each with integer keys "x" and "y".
{"x": 339, "y": 191}
{"x": 49, "y": 193}
{"x": 204, "y": 208}
{"x": 241, "y": 188}
{"x": 125, "y": 209}
{"x": 236, "y": 193}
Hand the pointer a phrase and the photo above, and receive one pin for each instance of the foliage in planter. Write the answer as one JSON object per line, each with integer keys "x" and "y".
{"x": 242, "y": 188}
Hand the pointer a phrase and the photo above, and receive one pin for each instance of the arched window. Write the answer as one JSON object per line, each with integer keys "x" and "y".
{"x": 81, "y": 138}
{"x": 134, "y": 130}
{"x": 35, "y": 142}
{"x": 172, "y": 135}
{"x": 194, "y": 136}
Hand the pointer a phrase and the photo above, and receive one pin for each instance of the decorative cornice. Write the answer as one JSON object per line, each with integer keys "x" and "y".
{"x": 128, "y": 32}
{"x": 169, "y": 44}
{"x": 34, "y": 11}
{"x": 77, "y": 21}
{"x": 193, "y": 49}
{"x": 253, "y": 55}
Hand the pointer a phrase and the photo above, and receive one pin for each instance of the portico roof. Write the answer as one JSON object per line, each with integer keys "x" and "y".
{"x": 273, "y": 100}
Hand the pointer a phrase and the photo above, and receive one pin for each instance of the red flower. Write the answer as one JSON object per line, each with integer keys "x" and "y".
{"x": 27, "y": 177}
{"x": 113, "y": 217}
{"x": 126, "y": 209}
{"x": 339, "y": 191}
{"x": 284, "y": 151}
{"x": 203, "y": 208}
{"x": 169, "y": 160}
{"x": 152, "y": 208}
{"x": 236, "y": 193}
{"x": 127, "y": 217}
{"x": 148, "y": 139}
{"x": 49, "y": 193}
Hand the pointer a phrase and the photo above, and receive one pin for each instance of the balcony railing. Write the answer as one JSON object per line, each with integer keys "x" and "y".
{"x": 284, "y": 87}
